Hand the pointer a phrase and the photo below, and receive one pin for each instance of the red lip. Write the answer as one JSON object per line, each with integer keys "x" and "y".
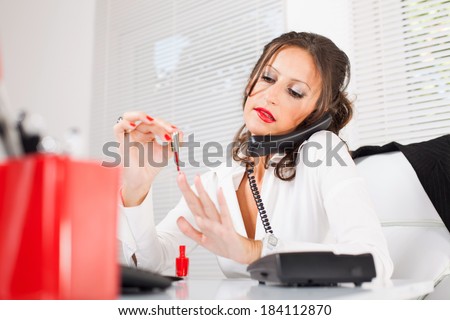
{"x": 265, "y": 115}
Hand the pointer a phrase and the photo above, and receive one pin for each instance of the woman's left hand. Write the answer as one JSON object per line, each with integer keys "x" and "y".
{"x": 216, "y": 232}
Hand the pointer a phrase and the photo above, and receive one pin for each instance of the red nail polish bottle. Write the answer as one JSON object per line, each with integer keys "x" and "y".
{"x": 182, "y": 263}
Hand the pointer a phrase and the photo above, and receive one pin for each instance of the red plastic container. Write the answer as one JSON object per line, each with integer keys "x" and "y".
{"x": 58, "y": 229}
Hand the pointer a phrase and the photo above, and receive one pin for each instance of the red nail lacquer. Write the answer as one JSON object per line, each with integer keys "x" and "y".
{"x": 149, "y": 118}
{"x": 182, "y": 263}
{"x": 168, "y": 138}
{"x": 132, "y": 124}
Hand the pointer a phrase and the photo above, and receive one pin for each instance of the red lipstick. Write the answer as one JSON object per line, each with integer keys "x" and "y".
{"x": 265, "y": 115}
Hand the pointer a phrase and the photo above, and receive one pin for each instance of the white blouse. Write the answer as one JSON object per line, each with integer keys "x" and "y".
{"x": 326, "y": 207}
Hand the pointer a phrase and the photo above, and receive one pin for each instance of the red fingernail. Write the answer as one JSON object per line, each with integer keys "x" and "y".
{"x": 132, "y": 124}
{"x": 174, "y": 127}
{"x": 149, "y": 118}
{"x": 168, "y": 138}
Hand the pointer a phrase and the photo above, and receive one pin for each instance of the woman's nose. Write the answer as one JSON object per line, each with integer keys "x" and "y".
{"x": 272, "y": 94}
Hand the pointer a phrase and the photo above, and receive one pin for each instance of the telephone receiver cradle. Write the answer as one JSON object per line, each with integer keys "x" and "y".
{"x": 323, "y": 268}
{"x": 259, "y": 146}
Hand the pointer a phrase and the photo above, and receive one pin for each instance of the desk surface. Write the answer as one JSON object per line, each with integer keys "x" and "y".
{"x": 243, "y": 289}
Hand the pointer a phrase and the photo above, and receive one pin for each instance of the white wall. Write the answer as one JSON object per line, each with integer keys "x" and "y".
{"x": 47, "y": 50}
{"x": 330, "y": 18}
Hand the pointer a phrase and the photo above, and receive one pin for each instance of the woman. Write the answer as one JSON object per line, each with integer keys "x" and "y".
{"x": 313, "y": 203}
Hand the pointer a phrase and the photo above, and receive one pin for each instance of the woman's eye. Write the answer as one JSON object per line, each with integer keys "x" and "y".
{"x": 296, "y": 94}
{"x": 267, "y": 78}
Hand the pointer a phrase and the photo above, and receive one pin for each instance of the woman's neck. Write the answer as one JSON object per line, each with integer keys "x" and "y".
{"x": 259, "y": 169}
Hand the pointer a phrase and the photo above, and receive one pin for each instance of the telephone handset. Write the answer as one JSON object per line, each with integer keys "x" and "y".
{"x": 259, "y": 146}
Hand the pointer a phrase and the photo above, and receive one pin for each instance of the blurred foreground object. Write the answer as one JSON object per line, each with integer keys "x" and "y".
{"x": 58, "y": 229}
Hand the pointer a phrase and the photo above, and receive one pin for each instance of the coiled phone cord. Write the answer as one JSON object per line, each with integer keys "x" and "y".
{"x": 256, "y": 195}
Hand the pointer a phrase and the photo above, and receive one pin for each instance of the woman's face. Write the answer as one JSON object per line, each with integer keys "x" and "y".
{"x": 284, "y": 95}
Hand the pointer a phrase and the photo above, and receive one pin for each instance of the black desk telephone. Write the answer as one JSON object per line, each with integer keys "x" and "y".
{"x": 301, "y": 268}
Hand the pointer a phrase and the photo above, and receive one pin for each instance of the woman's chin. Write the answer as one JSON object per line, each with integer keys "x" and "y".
{"x": 257, "y": 129}
{"x": 259, "y": 132}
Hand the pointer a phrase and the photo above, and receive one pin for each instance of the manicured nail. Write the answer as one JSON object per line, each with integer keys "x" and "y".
{"x": 149, "y": 118}
{"x": 168, "y": 138}
{"x": 132, "y": 124}
{"x": 174, "y": 127}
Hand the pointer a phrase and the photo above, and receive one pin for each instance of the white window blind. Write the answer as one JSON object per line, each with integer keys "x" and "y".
{"x": 401, "y": 69}
{"x": 186, "y": 62}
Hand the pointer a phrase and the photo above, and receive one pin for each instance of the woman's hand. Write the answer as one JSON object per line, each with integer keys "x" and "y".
{"x": 216, "y": 232}
{"x": 142, "y": 156}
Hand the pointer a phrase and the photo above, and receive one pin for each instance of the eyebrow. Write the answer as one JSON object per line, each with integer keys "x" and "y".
{"x": 291, "y": 78}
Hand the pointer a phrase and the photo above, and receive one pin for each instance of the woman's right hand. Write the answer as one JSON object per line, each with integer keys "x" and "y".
{"x": 142, "y": 156}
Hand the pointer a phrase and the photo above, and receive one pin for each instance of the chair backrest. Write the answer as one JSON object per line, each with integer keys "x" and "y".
{"x": 419, "y": 242}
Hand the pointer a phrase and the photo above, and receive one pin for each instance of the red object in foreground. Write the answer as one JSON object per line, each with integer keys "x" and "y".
{"x": 182, "y": 263}
{"x": 58, "y": 229}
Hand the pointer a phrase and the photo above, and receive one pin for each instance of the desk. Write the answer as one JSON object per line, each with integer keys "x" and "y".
{"x": 244, "y": 289}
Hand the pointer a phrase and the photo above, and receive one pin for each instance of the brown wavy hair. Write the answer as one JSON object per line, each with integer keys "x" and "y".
{"x": 334, "y": 68}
